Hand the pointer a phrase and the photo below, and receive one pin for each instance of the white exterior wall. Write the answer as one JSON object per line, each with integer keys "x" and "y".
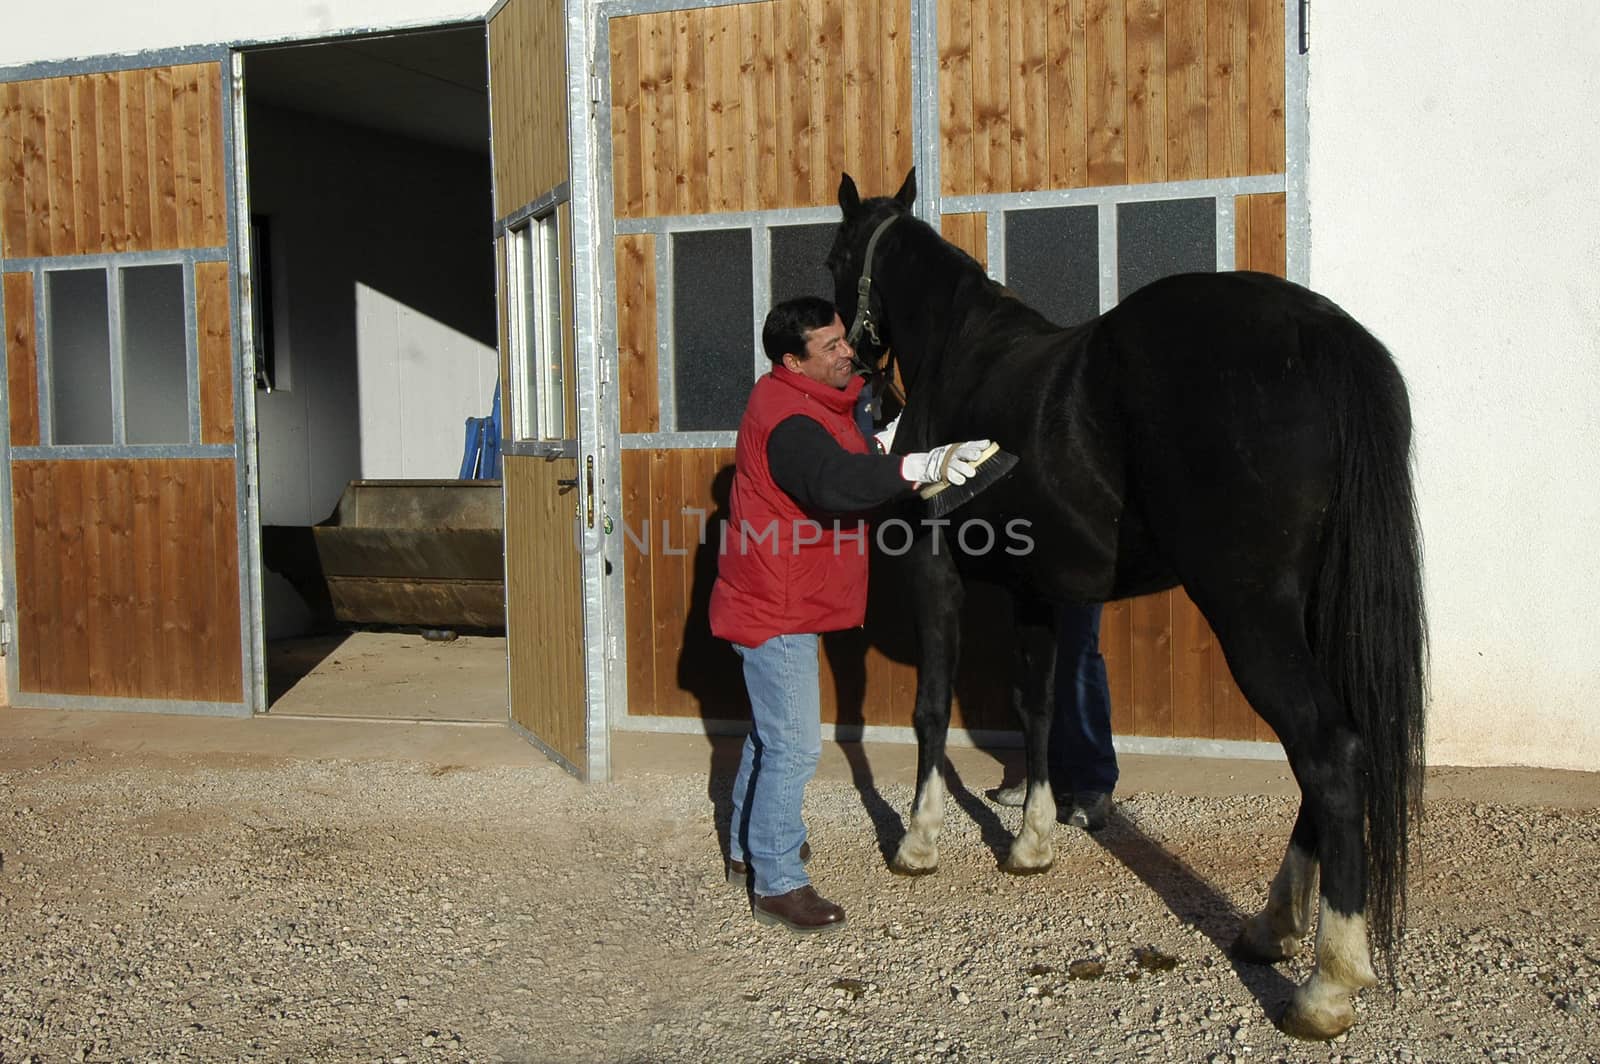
{"x": 1453, "y": 174}
{"x": 81, "y": 28}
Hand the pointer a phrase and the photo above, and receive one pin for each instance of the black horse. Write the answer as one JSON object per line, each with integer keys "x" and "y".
{"x": 1233, "y": 433}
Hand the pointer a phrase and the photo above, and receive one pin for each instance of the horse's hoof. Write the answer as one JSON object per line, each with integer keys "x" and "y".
{"x": 1026, "y": 870}
{"x": 900, "y": 868}
{"x": 1317, "y": 1017}
{"x": 1257, "y": 946}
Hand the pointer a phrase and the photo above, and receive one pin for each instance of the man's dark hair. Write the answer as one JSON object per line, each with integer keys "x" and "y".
{"x": 787, "y": 324}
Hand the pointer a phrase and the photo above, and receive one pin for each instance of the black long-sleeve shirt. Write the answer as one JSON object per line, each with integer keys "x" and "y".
{"x": 810, "y": 466}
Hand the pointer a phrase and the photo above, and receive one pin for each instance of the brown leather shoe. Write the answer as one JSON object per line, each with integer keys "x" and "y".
{"x": 802, "y": 909}
{"x": 739, "y": 872}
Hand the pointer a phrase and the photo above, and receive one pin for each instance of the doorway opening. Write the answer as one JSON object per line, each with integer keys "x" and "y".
{"x": 372, "y": 224}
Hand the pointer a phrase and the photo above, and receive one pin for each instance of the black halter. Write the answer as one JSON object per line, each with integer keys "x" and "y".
{"x": 866, "y": 323}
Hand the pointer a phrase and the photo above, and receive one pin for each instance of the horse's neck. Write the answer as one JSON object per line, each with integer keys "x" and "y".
{"x": 936, "y": 306}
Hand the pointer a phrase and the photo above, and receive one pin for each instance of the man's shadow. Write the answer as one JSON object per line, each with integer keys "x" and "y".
{"x": 712, "y": 673}
{"x": 709, "y": 669}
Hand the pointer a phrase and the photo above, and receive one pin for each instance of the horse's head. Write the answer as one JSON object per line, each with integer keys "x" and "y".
{"x": 851, "y": 263}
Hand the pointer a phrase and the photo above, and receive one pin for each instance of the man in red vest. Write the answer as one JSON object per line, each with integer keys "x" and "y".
{"x": 790, "y": 567}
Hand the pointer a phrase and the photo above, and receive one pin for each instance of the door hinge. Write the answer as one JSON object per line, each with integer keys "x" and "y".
{"x": 594, "y": 93}
{"x": 5, "y": 638}
{"x": 1305, "y": 26}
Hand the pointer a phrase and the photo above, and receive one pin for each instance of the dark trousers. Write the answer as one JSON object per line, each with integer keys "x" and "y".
{"x": 1081, "y": 754}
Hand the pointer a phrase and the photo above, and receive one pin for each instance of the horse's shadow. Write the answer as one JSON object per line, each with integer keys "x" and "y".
{"x": 1195, "y": 901}
{"x": 1187, "y": 895}
{"x": 711, "y": 672}
{"x": 984, "y": 699}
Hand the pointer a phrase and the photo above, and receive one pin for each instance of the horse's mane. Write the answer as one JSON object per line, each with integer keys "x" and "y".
{"x": 970, "y": 279}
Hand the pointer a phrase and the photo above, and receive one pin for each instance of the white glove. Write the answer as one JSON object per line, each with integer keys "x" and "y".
{"x": 885, "y": 438}
{"x": 953, "y": 463}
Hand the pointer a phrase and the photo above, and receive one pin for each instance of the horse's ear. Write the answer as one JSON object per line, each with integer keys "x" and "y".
{"x": 908, "y": 191}
{"x": 849, "y": 198}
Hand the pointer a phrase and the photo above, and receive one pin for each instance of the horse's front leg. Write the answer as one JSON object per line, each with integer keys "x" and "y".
{"x": 1033, "y": 669}
{"x": 936, "y": 604}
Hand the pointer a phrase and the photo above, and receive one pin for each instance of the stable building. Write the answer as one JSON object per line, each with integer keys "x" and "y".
{"x": 249, "y": 258}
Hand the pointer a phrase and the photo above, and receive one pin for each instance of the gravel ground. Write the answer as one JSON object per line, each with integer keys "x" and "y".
{"x": 258, "y": 909}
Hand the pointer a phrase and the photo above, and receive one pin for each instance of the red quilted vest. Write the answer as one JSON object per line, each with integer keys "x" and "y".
{"x": 782, "y": 571}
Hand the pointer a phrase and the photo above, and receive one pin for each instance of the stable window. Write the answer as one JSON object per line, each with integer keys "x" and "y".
{"x": 799, "y": 261}
{"x": 117, "y": 356}
{"x": 155, "y": 377}
{"x": 1158, "y": 238}
{"x": 271, "y": 375}
{"x": 713, "y": 306}
{"x": 1052, "y": 261}
{"x": 79, "y": 338}
{"x": 1072, "y": 262}
{"x": 533, "y": 267}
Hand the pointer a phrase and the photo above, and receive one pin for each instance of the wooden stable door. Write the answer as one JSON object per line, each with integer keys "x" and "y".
{"x": 551, "y": 508}
{"x": 122, "y": 451}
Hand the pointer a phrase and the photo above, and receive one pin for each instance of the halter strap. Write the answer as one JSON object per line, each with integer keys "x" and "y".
{"x": 864, "y": 321}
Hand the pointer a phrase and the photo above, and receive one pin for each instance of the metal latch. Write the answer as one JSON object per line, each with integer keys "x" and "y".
{"x": 588, "y": 478}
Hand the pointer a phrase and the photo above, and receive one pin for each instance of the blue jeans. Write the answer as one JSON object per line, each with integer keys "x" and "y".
{"x": 1081, "y": 755}
{"x": 780, "y": 756}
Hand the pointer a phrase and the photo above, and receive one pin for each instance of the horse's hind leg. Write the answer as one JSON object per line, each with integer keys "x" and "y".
{"x": 1277, "y": 674}
{"x": 1274, "y": 934}
{"x": 937, "y": 595}
{"x": 1032, "y": 697}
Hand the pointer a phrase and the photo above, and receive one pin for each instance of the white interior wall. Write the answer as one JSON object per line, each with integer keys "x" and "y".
{"x": 419, "y": 380}
{"x": 383, "y": 283}
{"x": 1453, "y": 210}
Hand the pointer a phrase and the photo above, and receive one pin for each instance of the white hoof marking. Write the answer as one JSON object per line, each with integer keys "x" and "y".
{"x": 919, "y": 850}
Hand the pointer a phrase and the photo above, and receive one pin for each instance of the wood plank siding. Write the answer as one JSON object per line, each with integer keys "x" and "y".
{"x": 128, "y": 578}
{"x": 22, "y": 378}
{"x": 544, "y": 594}
{"x": 1134, "y": 91}
{"x": 122, "y": 161}
{"x": 528, "y": 101}
{"x": 757, "y": 106}
{"x": 214, "y": 323}
{"x": 760, "y": 106}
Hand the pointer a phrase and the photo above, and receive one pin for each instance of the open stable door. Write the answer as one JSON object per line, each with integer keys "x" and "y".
{"x": 123, "y": 474}
{"x": 550, "y": 460}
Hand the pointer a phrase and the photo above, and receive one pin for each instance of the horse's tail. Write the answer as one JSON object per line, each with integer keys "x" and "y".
{"x": 1365, "y": 619}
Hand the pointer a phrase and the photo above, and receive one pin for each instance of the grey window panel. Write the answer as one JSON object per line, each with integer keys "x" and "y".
{"x": 713, "y": 306}
{"x": 1053, "y": 261}
{"x": 80, "y": 356}
{"x": 155, "y": 373}
{"x": 799, "y": 261}
{"x": 1158, "y": 238}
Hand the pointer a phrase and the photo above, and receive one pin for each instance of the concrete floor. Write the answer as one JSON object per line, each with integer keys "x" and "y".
{"x": 388, "y": 676}
{"x": 33, "y": 736}
{"x": 396, "y": 697}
